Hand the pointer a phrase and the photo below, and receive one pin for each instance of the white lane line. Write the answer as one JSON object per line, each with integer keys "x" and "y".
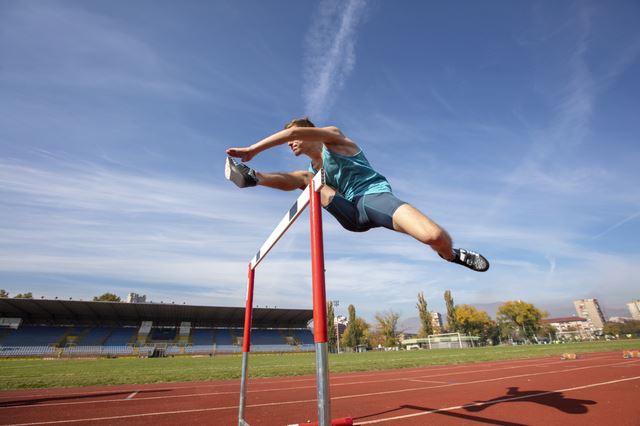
{"x": 132, "y": 395}
{"x": 312, "y": 380}
{"x": 445, "y": 384}
{"x": 199, "y": 410}
{"x": 425, "y": 381}
{"x": 270, "y": 404}
{"x": 479, "y": 404}
{"x": 335, "y": 376}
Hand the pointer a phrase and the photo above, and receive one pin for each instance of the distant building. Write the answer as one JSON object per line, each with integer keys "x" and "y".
{"x": 436, "y": 322}
{"x": 570, "y": 327}
{"x": 634, "y": 309}
{"x": 620, "y": 320}
{"x": 136, "y": 298}
{"x": 590, "y": 310}
{"x": 341, "y": 323}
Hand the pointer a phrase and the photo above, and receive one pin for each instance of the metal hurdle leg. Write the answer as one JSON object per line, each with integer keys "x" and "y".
{"x": 246, "y": 347}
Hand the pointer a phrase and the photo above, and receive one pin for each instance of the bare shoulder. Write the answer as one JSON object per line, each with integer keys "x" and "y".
{"x": 340, "y": 143}
{"x": 334, "y": 130}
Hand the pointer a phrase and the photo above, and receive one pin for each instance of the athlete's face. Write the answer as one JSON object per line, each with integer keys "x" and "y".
{"x": 308, "y": 148}
{"x": 297, "y": 147}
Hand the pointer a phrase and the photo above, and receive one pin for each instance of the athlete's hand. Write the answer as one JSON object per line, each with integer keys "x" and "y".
{"x": 244, "y": 154}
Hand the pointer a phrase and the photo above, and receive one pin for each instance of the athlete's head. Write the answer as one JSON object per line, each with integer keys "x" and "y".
{"x": 297, "y": 146}
{"x": 299, "y": 122}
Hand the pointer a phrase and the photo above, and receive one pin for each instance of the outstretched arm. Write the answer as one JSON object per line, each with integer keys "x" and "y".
{"x": 332, "y": 137}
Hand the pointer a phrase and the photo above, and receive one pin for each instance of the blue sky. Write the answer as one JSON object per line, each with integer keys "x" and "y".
{"x": 512, "y": 124}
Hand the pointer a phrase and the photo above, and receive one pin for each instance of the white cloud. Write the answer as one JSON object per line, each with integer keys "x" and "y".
{"x": 330, "y": 53}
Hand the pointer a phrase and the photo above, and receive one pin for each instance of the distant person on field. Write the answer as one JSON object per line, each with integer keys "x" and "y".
{"x": 355, "y": 194}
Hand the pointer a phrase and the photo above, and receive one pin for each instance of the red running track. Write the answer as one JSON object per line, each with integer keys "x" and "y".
{"x": 595, "y": 389}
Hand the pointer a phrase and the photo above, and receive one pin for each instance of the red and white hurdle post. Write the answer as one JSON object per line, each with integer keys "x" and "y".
{"x": 319, "y": 308}
{"x": 310, "y": 196}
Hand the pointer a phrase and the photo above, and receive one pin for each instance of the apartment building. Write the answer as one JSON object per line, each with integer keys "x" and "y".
{"x": 634, "y": 309}
{"x": 570, "y": 327}
{"x": 591, "y": 311}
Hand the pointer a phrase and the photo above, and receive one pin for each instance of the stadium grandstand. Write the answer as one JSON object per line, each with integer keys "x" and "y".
{"x": 68, "y": 328}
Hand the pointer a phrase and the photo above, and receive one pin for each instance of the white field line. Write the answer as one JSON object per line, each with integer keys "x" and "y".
{"x": 515, "y": 398}
{"x": 333, "y": 376}
{"x": 199, "y": 410}
{"x": 420, "y": 379}
{"x": 310, "y": 400}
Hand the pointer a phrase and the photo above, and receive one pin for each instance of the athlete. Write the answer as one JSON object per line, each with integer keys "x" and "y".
{"x": 359, "y": 197}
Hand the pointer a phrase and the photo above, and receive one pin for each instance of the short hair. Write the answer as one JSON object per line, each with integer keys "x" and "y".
{"x": 300, "y": 122}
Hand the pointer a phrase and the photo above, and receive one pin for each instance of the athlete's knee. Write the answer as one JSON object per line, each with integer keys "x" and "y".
{"x": 326, "y": 195}
{"x": 433, "y": 236}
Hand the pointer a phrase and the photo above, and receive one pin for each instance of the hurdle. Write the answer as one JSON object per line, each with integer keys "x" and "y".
{"x": 310, "y": 196}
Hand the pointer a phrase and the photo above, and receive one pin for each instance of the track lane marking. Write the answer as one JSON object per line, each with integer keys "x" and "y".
{"x": 444, "y": 384}
{"x": 313, "y": 379}
{"x": 314, "y": 401}
{"x": 479, "y": 404}
{"x": 425, "y": 381}
{"x": 337, "y": 376}
{"x": 203, "y": 394}
{"x": 131, "y": 396}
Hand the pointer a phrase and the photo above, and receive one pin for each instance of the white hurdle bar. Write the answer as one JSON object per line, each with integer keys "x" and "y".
{"x": 298, "y": 207}
{"x": 311, "y": 195}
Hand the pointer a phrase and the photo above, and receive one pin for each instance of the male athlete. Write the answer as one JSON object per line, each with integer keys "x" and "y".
{"x": 355, "y": 194}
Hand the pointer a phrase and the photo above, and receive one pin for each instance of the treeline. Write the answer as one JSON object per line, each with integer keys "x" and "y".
{"x": 4, "y": 294}
{"x": 106, "y": 297}
{"x": 516, "y": 321}
{"x": 622, "y": 329}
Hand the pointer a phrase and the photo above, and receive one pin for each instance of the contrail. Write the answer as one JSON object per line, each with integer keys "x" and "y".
{"x": 617, "y": 225}
{"x": 330, "y": 53}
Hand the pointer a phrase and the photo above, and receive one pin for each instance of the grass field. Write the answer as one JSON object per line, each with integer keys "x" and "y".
{"x": 17, "y": 374}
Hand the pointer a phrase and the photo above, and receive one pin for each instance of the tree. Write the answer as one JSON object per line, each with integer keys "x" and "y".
{"x": 471, "y": 321}
{"x": 547, "y": 331}
{"x": 24, "y": 296}
{"x": 388, "y": 327}
{"x": 351, "y": 336}
{"x": 451, "y": 312}
{"x": 426, "y": 325}
{"x": 331, "y": 327}
{"x": 3, "y": 293}
{"x": 363, "y": 332}
{"x": 627, "y": 328}
{"x": 107, "y": 297}
{"x": 357, "y": 331}
{"x": 522, "y": 319}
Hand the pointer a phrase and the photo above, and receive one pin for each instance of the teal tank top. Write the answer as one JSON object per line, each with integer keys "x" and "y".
{"x": 352, "y": 176}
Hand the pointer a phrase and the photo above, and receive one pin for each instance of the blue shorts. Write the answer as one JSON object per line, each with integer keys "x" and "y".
{"x": 365, "y": 212}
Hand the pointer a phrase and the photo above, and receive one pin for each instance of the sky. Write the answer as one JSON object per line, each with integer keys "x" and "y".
{"x": 514, "y": 125}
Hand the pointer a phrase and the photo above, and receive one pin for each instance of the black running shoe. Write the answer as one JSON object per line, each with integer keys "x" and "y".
{"x": 240, "y": 174}
{"x": 471, "y": 260}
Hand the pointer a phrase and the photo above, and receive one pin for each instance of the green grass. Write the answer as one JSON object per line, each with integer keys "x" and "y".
{"x": 25, "y": 373}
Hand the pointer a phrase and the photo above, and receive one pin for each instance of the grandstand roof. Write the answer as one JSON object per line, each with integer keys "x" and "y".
{"x": 563, "y": 319}
{"x": 44, "y": 311}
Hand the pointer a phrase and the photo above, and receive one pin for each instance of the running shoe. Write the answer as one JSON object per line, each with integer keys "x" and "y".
{"x": 470, "y": 259}
{"x": 240, "y": 174}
